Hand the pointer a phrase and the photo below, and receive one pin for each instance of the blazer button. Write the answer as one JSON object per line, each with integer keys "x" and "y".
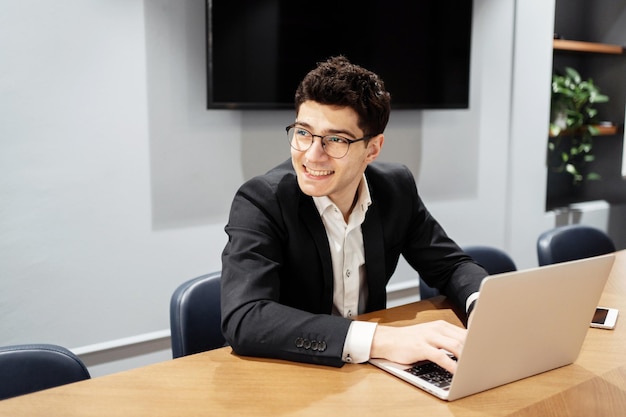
{"x": 321, "y": 346}
{"x": 307, "y": 344}
{"x": 314, "y": 345}
{"x": 299, "y": 342}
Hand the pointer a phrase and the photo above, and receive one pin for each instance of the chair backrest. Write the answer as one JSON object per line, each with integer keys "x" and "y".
{"x": 571, "y": 242}
{"x": 494, "y": 260}
{"x": 195, "y": 316}
{"x": 29, "y": 368}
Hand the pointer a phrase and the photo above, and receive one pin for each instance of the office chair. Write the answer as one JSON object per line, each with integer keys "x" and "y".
{"x": 571, "y": 242}
{"x": 195, "y": 316}
{"x": 494, "y": 260}
{"x": 29, "y": 368}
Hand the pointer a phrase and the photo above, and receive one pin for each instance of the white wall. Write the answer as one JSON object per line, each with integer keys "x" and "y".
{"x": 115, "y": 181}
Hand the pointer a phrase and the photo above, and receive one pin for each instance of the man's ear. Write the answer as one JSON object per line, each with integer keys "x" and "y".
{"x": 374, "y": 146}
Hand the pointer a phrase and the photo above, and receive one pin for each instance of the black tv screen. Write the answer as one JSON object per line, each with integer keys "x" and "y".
{"x": 259, "y": 50}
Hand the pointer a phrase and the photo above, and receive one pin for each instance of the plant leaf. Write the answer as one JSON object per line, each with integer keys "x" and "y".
{"x": 593, "y": 176}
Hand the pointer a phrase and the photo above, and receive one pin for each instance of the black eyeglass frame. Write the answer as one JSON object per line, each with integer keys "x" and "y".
{"x": 350, "y": 141}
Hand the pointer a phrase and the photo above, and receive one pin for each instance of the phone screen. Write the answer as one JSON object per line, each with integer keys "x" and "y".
{"x": 600, "y": 315}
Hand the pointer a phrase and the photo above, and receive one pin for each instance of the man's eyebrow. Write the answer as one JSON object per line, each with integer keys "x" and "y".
{"x": 303, "y": 124}
{"x": 327, "y": 132}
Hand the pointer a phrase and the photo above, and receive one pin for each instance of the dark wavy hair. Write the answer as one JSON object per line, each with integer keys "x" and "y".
{"x": 338, "y": 82}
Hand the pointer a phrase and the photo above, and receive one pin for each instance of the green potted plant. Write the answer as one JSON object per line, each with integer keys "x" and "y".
{"x": 570, "y": 147}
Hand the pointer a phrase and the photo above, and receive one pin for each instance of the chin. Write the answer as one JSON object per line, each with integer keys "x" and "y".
{"x": 309, "y": 189}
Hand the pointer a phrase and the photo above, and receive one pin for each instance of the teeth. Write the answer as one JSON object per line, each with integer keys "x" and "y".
{"x": 318, "y": 173}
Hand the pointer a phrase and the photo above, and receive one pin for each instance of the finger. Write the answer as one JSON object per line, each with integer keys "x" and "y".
{"x": 452, "y": 348}
{"x": 442, "y": 359}
{"x": 451, "y": 339}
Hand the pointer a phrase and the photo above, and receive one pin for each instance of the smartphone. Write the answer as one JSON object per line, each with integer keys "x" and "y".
{"x": 604, "y": 318}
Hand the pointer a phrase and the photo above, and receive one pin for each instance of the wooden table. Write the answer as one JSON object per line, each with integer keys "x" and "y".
{"x": 221, "y": 383}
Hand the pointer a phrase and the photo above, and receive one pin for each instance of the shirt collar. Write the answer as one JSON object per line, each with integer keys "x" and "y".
{"x": 364, "y": 199}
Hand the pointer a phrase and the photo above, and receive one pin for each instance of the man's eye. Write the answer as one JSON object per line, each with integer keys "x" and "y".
{"x": 335, "y": 139}
{"x": 302, "y": 132}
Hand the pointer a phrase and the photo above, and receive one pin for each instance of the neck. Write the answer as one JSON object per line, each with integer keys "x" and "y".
{"x": 347, "y": 207}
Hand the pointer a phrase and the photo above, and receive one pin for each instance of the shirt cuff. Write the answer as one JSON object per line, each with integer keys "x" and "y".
{"x": 470, "y": 301}
{"x": 358, "y": 344}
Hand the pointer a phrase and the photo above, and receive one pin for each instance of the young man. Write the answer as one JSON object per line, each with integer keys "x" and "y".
{"x": 315, "y": 240}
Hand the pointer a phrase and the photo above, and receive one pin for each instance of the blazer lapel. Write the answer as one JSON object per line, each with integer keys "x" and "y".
{"x": 375, "y": 259}
{"x": 312, "y": 220}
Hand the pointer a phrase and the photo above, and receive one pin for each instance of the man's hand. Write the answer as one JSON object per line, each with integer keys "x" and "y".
{"x": 426, "y": 341}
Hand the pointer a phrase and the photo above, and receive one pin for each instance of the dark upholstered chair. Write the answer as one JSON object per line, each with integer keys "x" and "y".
{"x": 494, "y": 260}
{"x": 35, "y": 367}
{"x": 571, "y": 242}
{"x": 195, "y": 316}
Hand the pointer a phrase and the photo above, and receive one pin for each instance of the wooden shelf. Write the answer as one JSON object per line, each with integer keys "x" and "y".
{"x": 606, "y": 130}
{"x": 602, "y": 131}
{"x": 579, "y": 46}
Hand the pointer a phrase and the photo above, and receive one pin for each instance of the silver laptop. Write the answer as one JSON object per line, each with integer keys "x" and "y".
{"x": 524, "y": 323}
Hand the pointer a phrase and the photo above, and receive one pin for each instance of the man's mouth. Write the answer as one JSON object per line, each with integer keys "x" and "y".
{"x": 317, "y": 173}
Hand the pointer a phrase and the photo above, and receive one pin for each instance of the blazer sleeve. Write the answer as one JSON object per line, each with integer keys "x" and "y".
{"x": 409, "y": 229}
{"x": 256, "y": 319}
{"x": 437, "y": 257}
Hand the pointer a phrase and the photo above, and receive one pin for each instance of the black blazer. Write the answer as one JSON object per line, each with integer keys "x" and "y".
{"x": 277, "y": 280}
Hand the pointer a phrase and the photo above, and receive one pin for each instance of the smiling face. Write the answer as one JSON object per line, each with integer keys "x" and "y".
{"x": 319, "y": 174}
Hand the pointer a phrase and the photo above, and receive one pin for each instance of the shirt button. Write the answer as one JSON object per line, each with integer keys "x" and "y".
{"x": 348, "y": 272}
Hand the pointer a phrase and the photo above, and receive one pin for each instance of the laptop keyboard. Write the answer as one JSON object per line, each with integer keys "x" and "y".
{"x": 432, "y": 373}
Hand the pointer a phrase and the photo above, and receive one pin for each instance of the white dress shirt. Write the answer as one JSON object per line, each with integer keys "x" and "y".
{"x": 350, "y": 290}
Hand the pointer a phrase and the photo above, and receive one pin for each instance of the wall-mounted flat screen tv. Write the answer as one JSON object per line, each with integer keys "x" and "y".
{"x": 259, "y": 50}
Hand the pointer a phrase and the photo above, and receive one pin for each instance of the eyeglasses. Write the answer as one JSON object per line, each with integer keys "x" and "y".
{"x": 335, "y": 146}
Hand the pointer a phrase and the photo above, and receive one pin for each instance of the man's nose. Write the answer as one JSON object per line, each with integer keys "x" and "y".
{"x": 317, "y": 148}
